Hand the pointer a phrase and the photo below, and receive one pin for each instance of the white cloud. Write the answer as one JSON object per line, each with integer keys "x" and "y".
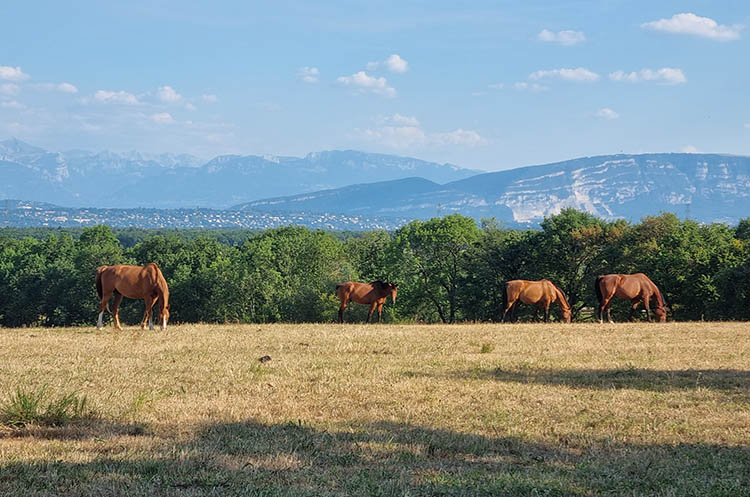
{"x": 394, "y": 63}
{"x": 578, "y": 74}
{"x": 689, "y": 149}
{"x": 116, "y": 97}
{"x": 163, "y": 118}
{"x": 496, "y": 86}
{"x": 168, "y": 95}
{"x": 607, "y": 113}
{"x": 397, "y": 136}
{"x": 308, "y": 74}
{"x": 747, "y": 125}
{"x": 362, "y": 83}
{"x": 664, "y": 76}
{"x": 190, "y": 106}
{"x": 466, "y": 137}
{"x": 533, "y": 87}
{"x": 61, "y": 87}
{"x": 398, "y": 131}
{"x": 400, "y": 119}
{"x": 566, "y": 37}
{"x": 12, "y": 104}
{"x": 210, "y": 98}
{"x": 12, "y": 73}
{"x": 9, "y": 89}
{"x": 691, "y": 24}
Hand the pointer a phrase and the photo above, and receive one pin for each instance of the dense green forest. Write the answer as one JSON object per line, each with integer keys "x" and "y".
{"x": 448, "y": 269}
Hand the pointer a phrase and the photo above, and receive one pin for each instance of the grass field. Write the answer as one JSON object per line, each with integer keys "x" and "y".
{"x": 584, "y": 409}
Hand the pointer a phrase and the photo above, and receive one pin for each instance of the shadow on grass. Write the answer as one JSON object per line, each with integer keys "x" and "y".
{"x": 725, "y": 380}
{"x": 384, "y": 459}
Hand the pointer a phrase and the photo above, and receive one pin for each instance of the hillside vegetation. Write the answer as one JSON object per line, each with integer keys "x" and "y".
{"x": 526, "y": 410}
{"x": 447, "y": 269}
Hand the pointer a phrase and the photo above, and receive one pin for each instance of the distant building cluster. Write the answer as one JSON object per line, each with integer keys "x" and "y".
{"x": 34, "y": 216}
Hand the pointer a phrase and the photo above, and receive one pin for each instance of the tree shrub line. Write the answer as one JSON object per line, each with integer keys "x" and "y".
{"x": 448, "y": 270}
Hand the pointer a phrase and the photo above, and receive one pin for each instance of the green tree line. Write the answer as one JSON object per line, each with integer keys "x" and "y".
{"x": 448, "y": 269}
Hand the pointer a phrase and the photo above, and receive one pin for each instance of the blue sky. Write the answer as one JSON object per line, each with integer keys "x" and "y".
{"x": 485, "y": 85}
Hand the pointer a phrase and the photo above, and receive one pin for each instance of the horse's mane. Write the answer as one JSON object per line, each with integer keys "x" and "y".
{"x": 561, "y": 295}
{"x": 662, "y": 303}
{"x": 377, "y": 283}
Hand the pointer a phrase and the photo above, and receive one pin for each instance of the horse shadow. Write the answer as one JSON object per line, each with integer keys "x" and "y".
{"x": 381, "y": 458}
{"x": 729, "y": 381}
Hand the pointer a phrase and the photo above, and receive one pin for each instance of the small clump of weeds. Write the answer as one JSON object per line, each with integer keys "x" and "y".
{"x": 39, "y": 406}
{"x": 486, "y": 348}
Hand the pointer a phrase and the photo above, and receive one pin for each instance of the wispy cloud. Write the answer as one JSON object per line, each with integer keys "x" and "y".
{"x": 607, "y": 113}
{"x": 362, "y": 83}
{"x": 394, "y": 63}
{"x": 689, "y": 149}
{"x": 579, "y": 74}
{"x": 565, "y": 37}
{"x": 9, "y": 89}
{"x": 12, "y": 104}
{"x": 691, "y": 24}
{"x": 168, "y": 95}
{"x": 532, "y": 87}
{"x": 12, "y": 73}
{"x": 163, "y": 118}
{"x": 664, "y": 76}
{"x": 116, "y": 97}
{"x": 61, "y": 87}
{"x": 403, "y": 132}
{"x": 210, "y": 98}
{"x": 308, "y": 74}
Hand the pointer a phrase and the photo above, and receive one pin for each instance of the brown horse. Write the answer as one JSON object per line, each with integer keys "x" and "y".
{"x": 635, "y": 287}
{"x": 135, "y": 282}
{"x": 373, "y": 294}
{"x": 540, "y": 293}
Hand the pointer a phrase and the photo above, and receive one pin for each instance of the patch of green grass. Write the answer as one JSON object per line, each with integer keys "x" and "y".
{"x": 38, "y": 406}
{"x": 486, "y": 348}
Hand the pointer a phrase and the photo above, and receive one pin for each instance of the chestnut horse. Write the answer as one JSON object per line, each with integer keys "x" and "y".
{"x": 135, "y": 282}
{"x": 373, "y": 294}
{"x": 635, "y": 287}
{"x": 540, "y": 293}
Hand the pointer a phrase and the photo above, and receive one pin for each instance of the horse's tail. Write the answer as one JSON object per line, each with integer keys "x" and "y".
{"x": 99, "y": 289}
{"x": 505, "y": 296}
{"x": 598, "y": 289}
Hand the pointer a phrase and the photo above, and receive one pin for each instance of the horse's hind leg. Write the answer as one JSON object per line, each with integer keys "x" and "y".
{"x": 102, "y": 307}
{"x": 634, "y": 307}
{"x": 342, "y": 308}
{"x": 546, "y": 312}
{"x": 116, "y": 310}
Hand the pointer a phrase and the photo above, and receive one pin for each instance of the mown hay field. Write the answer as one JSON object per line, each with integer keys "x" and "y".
{"x": 472, "y": 409}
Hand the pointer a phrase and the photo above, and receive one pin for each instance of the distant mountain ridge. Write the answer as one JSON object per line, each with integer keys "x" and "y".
{"x": 107, "y": 179}
{"x": 706, "y": 187}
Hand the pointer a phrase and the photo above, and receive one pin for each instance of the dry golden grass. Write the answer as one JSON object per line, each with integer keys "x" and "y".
{"x": 584, "y": 409}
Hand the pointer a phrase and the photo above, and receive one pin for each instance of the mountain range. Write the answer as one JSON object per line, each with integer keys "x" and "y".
{"x": 107, "y": 179}
{"x": 705, "y": 187}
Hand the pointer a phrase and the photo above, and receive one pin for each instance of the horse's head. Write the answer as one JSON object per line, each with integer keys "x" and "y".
{"x": 393, "y": 289}
{"x": 164, "y": 317}
{"x": 566, "y": 314}
{"x": 661, "y": 313}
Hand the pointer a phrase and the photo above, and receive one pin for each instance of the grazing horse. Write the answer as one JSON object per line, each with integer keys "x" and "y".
{"x": 373, "y": 294}
{"x": 135, "y": 282}
{"x": 635, "y": 287}
{"x": 540, "y": 293}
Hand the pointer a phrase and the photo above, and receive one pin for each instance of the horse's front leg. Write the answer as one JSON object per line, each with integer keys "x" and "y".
{"x": 645, "y": 304}
{"x": 148, "y": 315}
{"x": 372, "y": 309}
{"x": 380, "y": 312}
